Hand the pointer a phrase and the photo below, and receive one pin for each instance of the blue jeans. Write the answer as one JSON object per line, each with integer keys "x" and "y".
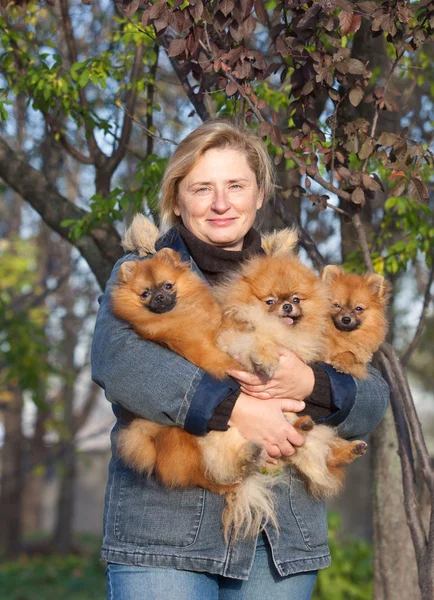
{"x": 126, "y": 582}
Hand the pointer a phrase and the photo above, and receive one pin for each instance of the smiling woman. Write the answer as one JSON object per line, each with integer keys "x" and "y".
{"x": 162, "y": 543}
{"x": 218, "y": 199}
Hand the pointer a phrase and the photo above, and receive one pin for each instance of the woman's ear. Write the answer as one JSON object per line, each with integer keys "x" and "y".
{"x": 260, "y": 199}
{"x": 176, "y": 208}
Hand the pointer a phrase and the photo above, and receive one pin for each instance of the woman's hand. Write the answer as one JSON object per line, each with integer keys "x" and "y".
{"x": 264, "y": 422}
{"x": 292, "y": 379}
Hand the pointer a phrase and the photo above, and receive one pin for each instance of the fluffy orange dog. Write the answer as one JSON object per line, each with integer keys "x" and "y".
{"x": 358, "y": 322}
{"x": 273, "y": 301}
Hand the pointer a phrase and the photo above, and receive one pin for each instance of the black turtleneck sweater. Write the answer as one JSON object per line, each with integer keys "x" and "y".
{"x": 215, "y": 263}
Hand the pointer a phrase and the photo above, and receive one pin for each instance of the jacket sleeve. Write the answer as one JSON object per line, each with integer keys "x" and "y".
{"x": 359, "y": 405}
{"x": 149, "y": 380}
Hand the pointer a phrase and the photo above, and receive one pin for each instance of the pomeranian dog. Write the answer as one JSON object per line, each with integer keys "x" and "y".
{"x": 358, "y": 321}
{"x": 272, "y": 301}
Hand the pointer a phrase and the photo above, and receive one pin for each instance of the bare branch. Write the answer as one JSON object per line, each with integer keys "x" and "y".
{"x": 98, "y": 156}
{"x": 305, "y": 240}
{"x": 74, "y": 152}
{"x": 119, "y": 153}
{"x": 361, "y": 234}
{"x": 414, "y": 520}
{"x": 100, "y": 247}
{"x": 418, "y": 334}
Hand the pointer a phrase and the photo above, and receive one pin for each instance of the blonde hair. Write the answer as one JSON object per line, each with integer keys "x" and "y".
{"x": 213, "y": 134}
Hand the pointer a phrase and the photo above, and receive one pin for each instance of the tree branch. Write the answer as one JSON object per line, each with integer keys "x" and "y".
{"x": 418, "y": 334}
{"x": 98, "y": 156}
{"x": 305, "y": 240}
{"x": 100, "y": 247}
{"x": 74, "y": 152}
{"x": 120, "y": 151}
{"x": 414, "y": 520}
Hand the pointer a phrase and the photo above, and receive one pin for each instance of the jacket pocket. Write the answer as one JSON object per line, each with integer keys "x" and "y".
{"x": 147, "y": 513}
{"x": 310, "y": 514}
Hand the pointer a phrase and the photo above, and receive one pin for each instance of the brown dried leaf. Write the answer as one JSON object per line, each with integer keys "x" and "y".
{"x": 260, "y": 11}
{"x": 367, "y": 149}
{"x": 345, "y": 20}
{"x": 344, "y": 172}
{"x": 388, "y": 139}
{"x": 355, "y": 66}
{"x": 158, "y": 9}
{"x": 370, "y": 184}
{"x": 358, "y": 196}
{"x": 418, "y": 191}
{"x": 334, "y": 95}
{"x": 356, "y": 95}
{"x": 226, "y": 6}
{"x": 398, "y": 190}
{"x": 231, "y": 88}
{"x": 264, "y": 129}
{"x": 177, "y": 47}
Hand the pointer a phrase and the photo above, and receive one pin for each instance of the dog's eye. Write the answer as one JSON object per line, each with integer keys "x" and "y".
{"x": 145, "y": 294}
{"x": 168, "y": 286}
{"x": 359, "y": 308}
{"x": 336, "y": 305}
{"x": 270, "y": 301}
{"x": 296, "y": 300}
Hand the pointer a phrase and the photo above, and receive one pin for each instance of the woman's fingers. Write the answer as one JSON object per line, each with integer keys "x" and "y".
{"x": 247, "y": 378}
{"x": 292, "y": 405}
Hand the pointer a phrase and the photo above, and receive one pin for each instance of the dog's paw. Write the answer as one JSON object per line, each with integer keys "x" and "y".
{"x": 265, "y": 359}
{"x": 304, "y": 423}
{"x": 252, "y": 459}
{"x": 359, "y": 448}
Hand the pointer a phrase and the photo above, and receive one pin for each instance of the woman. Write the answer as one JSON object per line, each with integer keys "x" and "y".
{"x": 162, "y": 543}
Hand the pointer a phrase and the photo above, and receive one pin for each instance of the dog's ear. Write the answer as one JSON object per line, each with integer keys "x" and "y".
{"x": 283, "y": 242}
{"x": 379, "y": 286}
{"x": 126, "y": 270}
{"x": 330, "y": 272}
{"x": 173, "y": 258}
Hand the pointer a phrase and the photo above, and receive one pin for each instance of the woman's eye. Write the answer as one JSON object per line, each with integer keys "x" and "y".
{"x": 168, "y": 286}
{"x": 236, "y": 186}
{"x": 270, "y": 301}
{"x": 296, "y": 300}
{"x": 336, "y": 305}
{"x": 145, "y": 294}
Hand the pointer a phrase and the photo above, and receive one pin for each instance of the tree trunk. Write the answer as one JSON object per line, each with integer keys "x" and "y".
{"x": 12, "y": 477}
{"x": 395, "y": 572}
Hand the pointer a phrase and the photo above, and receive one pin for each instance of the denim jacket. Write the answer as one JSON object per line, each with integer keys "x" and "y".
{"x": 150, "y": 525}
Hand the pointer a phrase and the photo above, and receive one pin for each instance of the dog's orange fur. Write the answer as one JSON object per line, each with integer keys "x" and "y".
{"x": 191, "y": 328}
{"x": 243, "y": 325}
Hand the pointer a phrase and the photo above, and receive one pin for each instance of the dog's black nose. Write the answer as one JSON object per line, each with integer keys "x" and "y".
{"x": 287, "y": 308}
{"x": 159, "y": 298}
{"x": 346, "y": 320}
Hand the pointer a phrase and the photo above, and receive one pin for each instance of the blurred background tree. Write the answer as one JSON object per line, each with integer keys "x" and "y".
{"x": 93, "y": 100}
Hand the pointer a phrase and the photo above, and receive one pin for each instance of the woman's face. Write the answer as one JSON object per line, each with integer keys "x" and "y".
{"x": 218, "y": 199}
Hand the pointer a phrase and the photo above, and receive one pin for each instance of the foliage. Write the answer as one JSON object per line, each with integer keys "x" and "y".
{"x": 23, "y": 344}
{"x": 74, "y": 577}
{"x": 350, "y": 575}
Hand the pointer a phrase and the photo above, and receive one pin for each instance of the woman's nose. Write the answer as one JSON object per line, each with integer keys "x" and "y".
{"x": 220, "y": 201}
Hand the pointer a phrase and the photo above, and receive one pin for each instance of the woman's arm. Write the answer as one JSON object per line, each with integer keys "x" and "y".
{"x": 355, "y": 406}
{"x": 149, "y": 380}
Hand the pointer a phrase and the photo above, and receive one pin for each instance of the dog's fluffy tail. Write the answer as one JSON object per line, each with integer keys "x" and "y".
{"x": 140, "y": 236}
{"x": 250, "y": 508}
{"x": 280, "y": 243}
